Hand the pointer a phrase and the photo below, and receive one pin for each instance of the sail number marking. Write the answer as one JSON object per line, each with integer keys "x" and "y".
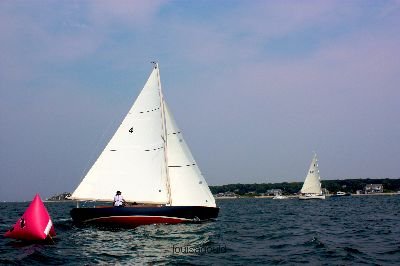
{"x": 131, "y": 130}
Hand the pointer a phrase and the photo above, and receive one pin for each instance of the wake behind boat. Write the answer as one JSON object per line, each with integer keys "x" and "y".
{"x": 312, "y": 184}
{"x": 148, "y": 159}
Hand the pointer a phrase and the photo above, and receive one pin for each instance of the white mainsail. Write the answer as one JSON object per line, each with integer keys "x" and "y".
{"x": 312, "y": 183}
{"x": 136, "y": 158}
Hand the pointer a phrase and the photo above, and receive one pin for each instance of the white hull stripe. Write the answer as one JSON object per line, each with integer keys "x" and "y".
{"x": 140, "y": 216}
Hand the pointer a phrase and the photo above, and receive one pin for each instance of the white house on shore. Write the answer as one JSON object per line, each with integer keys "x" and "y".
{"x": 373, "y": 188}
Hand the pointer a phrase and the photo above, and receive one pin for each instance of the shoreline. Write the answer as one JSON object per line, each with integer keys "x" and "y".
{"x": 244, "y": 197}
{"x": 377, "y": 194}
{"x": 296, "y": 196}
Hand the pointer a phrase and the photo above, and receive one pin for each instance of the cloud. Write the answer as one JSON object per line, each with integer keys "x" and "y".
{"x": 128, "y": 13}
{"x": 36, "y": 34}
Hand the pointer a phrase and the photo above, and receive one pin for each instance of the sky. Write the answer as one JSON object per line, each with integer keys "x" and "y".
{"x": 255, "y": 86}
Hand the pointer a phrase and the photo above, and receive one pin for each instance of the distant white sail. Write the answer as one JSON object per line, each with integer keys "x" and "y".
{"x": 136, "y": 158}
{"x": 312, "y": 183}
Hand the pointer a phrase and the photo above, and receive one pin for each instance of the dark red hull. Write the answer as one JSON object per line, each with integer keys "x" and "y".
{"x": 135, "y": 216}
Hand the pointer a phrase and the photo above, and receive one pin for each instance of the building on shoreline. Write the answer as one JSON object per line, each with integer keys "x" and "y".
{"x": 226, "y": 195}
{"x": 273, "y": 192}
{"x": 373, "y": 188}
{"x": 59, "y": 197}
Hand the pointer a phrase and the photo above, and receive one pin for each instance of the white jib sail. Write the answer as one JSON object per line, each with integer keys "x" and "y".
{"x": 312, "y": 183}
{"x": 188, "y": 186}
{"x": 133, "y": 161}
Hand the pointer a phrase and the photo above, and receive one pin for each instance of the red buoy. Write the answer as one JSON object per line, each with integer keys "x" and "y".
{"x": 34, "y": 224}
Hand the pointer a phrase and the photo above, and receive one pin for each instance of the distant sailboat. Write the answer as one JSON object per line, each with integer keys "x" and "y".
{"x": 312, "y": 184}
{"x": 149, "y": 161}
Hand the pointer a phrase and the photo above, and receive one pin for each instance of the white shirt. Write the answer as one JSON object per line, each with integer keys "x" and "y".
{"x": 118, "y": 200}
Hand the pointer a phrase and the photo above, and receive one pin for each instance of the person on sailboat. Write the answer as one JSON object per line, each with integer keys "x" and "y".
{"x": 119, "y": 200}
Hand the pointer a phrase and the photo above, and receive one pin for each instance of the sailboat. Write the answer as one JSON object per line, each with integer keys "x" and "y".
{"x": 150, "y": 162}
{"x": 312, "y": 184}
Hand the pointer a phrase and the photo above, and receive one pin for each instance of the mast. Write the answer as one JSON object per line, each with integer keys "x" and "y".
{"x": 164, "y": 135}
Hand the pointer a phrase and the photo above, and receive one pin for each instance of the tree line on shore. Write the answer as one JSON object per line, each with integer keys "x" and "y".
{"x": 333, "y": 186}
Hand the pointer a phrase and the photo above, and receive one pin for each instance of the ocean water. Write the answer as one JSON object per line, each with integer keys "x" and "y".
{"x": 337, "y": 231}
